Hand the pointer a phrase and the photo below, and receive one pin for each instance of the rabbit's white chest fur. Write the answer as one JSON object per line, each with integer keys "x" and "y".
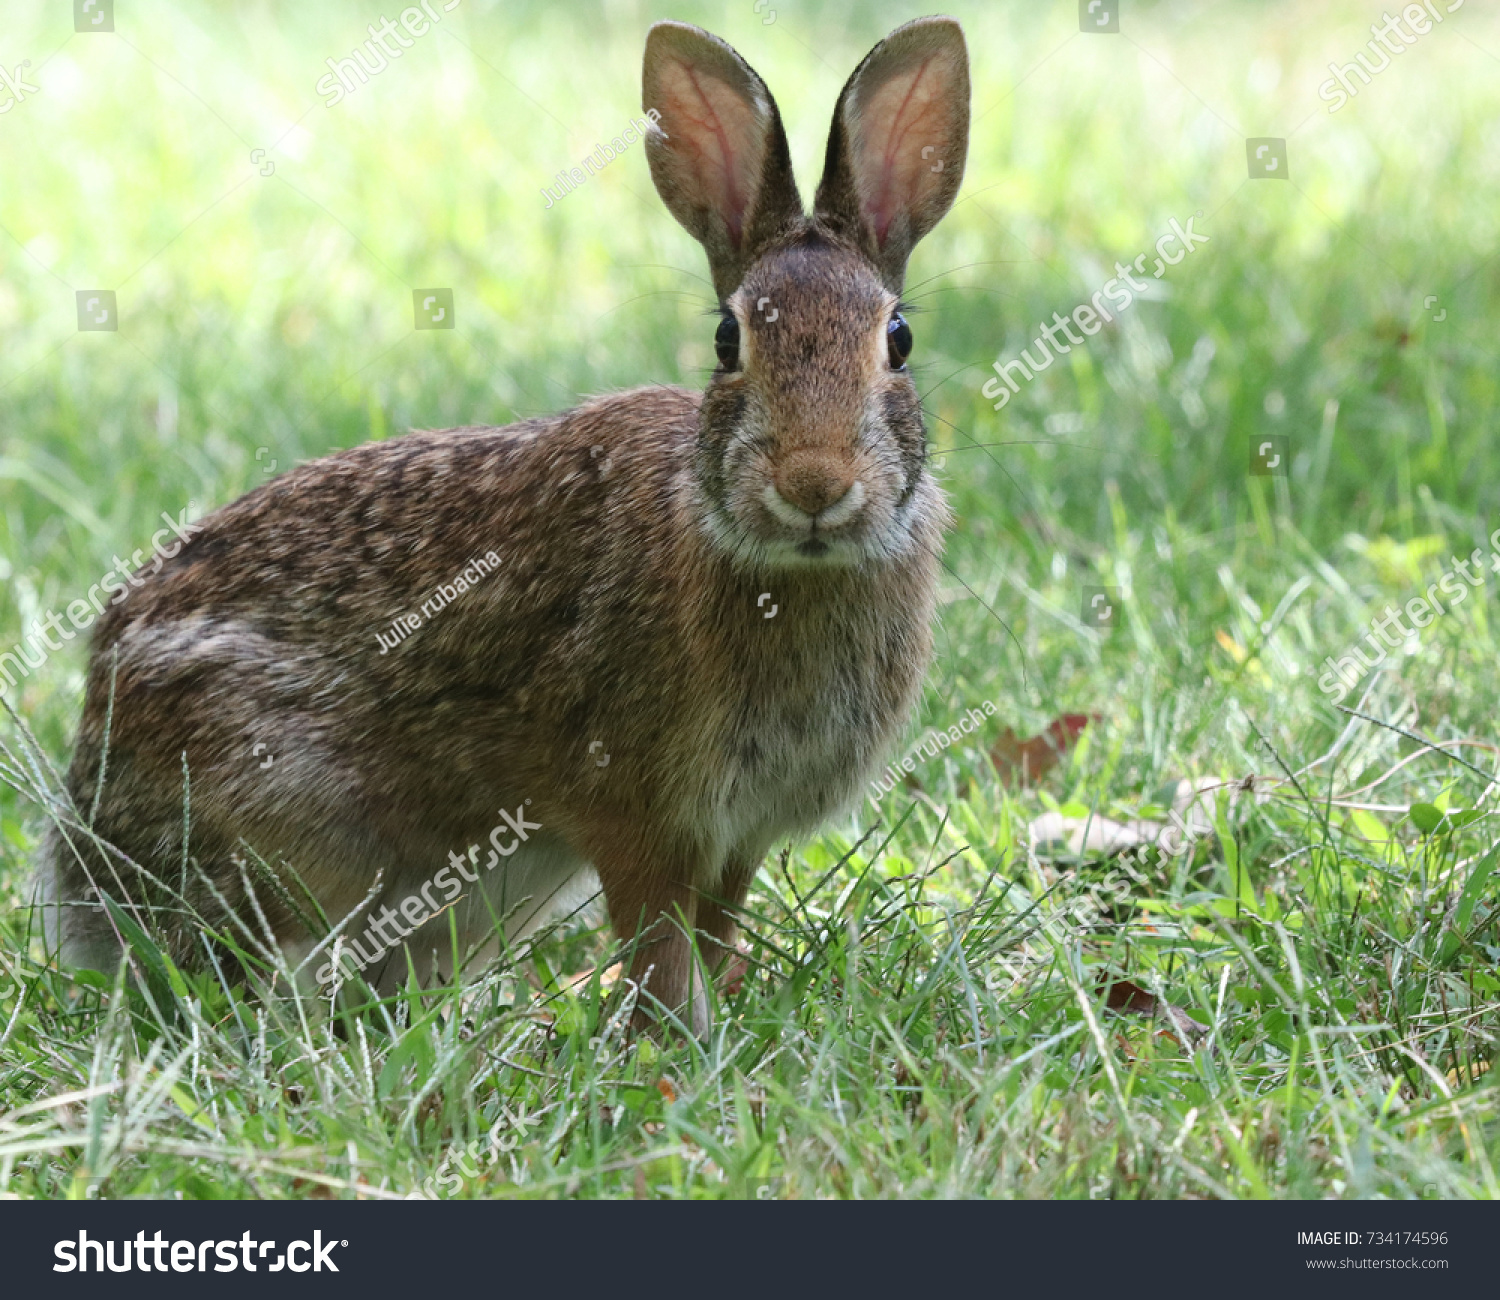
{"x": 788, "y": 770}
{"x": 808, "y": 709}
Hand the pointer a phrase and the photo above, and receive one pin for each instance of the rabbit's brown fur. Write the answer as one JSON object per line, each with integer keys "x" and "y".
{"x": 643, "y": 539}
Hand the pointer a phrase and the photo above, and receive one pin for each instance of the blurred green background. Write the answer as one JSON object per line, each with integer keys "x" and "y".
{"x": 266, "y": 317}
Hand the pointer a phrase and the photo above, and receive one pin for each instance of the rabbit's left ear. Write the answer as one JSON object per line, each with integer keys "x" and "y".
{"x": 717, "y": 150}
{"x": 899, "y": 139}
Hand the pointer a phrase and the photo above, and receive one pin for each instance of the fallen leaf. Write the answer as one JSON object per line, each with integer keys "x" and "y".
{"x": 1021, "y": 761}
{"x": 1126, "y": 995}
{"x": 1087, "y": 835}
{"x": 1457, "y": 1078}
{"x": 1192, "y": 804}
{"x": 732, "y": 977}
{"x": 664, "y": 1086}
{"x": 1129, "y": 998}
{"x": 606, "y": 977}
{"x": 1235, "y": 649}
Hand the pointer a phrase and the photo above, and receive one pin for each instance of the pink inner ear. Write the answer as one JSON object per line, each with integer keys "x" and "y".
{"x": 901, "y": 117}
{"x": 717, "y": 135}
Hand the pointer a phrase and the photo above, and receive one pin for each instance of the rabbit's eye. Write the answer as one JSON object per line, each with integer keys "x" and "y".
{"x": 898, "y": 338}
{"x": 727, "y": 343}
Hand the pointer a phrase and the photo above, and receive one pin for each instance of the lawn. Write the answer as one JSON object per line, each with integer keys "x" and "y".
{"x": 961, "y": 988}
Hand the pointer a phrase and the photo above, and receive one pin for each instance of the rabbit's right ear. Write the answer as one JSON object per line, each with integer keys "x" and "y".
{"x": 717, "y": 151}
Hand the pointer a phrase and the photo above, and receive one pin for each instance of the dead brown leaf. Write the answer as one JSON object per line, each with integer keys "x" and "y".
{"x": 1129, "y": 998}
{"x": 732, "y": 977}
{"x": 606, "y": 977}
{"x": 1022, "y": 761}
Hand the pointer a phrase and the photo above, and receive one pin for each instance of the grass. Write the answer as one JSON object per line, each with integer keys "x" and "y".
{"x": 928, "y": 1008}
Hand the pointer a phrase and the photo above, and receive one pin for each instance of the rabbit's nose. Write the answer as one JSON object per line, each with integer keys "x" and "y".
{"x": 813, "y": 485}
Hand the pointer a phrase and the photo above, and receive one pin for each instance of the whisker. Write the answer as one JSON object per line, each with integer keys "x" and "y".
{"x": 965, "y": 267}
{"x": 657, "y": 266}
{"x": 969, "y": 288}
{"x": 641, "y": 297}
{"x": 998, "y": 465}
{"x": 1027, "y": 442}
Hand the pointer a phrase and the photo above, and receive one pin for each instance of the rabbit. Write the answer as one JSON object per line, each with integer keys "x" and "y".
{"x": 693, "y": 624}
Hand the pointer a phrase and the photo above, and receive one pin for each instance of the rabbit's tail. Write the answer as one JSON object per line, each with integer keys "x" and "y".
{"x": 45, "y": 902}
{"x": 74, "y": 928}
{"x": 79, "y": 868}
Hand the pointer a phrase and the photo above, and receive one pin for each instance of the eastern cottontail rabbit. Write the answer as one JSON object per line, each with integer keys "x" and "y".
{"x": 646, "y": 638}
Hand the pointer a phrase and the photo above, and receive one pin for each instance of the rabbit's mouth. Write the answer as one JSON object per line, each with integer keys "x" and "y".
{"x": 752, "y": 521}
{"x": 814, "y": 548}
{"x": 810, "y": 528}
{"x": 767, "y": 541}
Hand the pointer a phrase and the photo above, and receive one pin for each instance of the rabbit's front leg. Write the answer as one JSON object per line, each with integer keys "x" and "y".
{"x": 653, "y": 908}
{"x": 718, "y": 912}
